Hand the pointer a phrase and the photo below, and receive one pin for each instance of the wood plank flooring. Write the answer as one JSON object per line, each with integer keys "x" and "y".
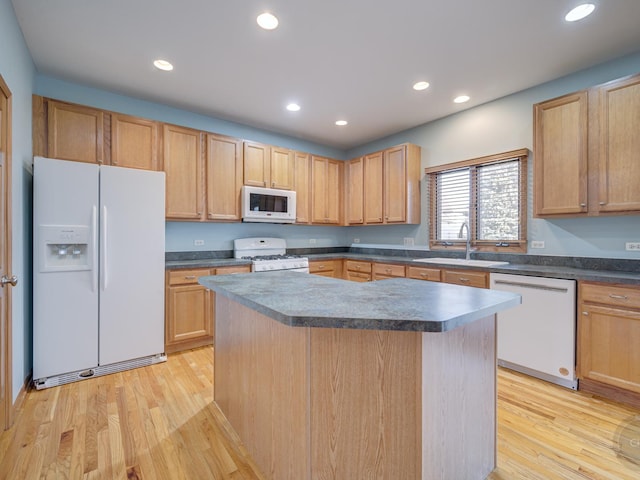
{"x": 159, "y": 422}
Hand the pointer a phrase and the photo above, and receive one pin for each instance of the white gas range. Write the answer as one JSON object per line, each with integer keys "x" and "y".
{"x": 269, "y": 254}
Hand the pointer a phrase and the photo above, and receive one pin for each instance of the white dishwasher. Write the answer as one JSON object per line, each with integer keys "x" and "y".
{"x": 538, "y": 337}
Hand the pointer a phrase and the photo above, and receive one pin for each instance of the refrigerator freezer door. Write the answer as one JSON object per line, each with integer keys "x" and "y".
{"x": 65, "y": 304}
{"x": 132, "y": 277}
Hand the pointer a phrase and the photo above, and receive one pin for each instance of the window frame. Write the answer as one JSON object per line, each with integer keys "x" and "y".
{"x": 499, "y": 246}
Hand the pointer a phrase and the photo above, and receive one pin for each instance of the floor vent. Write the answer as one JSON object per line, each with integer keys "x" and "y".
{"x": 99, "y": 371}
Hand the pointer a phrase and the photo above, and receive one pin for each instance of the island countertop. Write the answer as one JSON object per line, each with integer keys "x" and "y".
{"x": 302, "y": 300}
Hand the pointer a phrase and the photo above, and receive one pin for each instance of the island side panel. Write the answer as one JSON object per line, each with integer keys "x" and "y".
{"x": 261, "y": 385}
{"x": 459, "y": 402}
{"x": 365, "y": 404}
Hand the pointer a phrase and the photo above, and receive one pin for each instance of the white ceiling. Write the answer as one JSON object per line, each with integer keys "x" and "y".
{"x": 351, "y": 59}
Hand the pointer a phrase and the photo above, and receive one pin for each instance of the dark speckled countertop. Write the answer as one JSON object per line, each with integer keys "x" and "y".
{"x": 570, "y": 268}
{"x": 301, "y": 300}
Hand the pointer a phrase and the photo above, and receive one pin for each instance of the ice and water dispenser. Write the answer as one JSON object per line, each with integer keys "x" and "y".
{"x": 65, "y": 248}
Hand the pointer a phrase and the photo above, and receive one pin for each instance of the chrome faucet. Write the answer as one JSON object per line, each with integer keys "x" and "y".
{"x": 468, "y": 248}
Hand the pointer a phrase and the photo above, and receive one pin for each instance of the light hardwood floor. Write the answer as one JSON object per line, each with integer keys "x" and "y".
{"x": 160, "y": 422}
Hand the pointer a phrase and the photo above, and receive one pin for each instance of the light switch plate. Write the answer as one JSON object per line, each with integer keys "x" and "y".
{"x": 633, "y": 246}
{"x": 537, "y": 244}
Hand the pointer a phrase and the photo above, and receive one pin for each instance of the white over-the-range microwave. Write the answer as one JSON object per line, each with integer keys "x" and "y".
{"x": 268, "y": 205}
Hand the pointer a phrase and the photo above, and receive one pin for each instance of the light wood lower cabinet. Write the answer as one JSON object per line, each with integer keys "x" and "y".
{"x": 189, "y": 313}
{"x": 467, "y": 278}
{"x": 357, "y": 271}
{"x": 387, "y": 270}
{"x": 326, "y": 268}
{"x": 423, "y": 273}
{"x": 608, "y": 340}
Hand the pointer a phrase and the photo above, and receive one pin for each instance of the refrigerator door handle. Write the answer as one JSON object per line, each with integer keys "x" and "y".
{"x": 103, "y": 250}
{"x": 94, "y": 246}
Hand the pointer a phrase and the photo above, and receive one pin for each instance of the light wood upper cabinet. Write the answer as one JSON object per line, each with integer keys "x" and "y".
{"x": 267, "y": 166}
{"x": 183, "y": 167}
{"x": 373, "y": 188}
{"x": 390, "y": 191}
{"x": 586, "y": 151}
{"x": 326, "y": 180}
{"x": 302, "y": 186}
{"x": 560, "y": 167}
{"x": 134, "y": 142}
{"x": 75, "y": 132}
{"x": 619, "y": 146}
{"x": 354, "y": 185}
{"x": 282, "y": 168}
{"x": 257, "y": 164}
{"x": 224, "y": 178}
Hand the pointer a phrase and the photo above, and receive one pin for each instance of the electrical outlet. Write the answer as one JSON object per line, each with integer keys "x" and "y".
{"x": 198, "y": 243}
{"x": 633, "y": 246}
{"x": 408, "y": 241}
{"x": 312, "y": 241}
{"x": 537, "y": 243}
{"x": 356, "y": 240}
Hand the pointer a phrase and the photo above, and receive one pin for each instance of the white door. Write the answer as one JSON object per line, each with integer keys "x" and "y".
{"x": 65, "y": 297}
{"x": 132, "y": 264}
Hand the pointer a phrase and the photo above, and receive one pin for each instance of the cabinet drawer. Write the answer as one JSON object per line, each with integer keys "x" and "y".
{"x": 326, "y": 268}
{"x": 388, "y": 270}
{"x": 468, "y": 279}
{"x": 233, "y": 269}
{"x": 186, "y": 277}
{"x": 358, "y": 276}
{"x": 357, "y": 266}
{"x": 421, "y": 273}
{"x": 618, "y": 296}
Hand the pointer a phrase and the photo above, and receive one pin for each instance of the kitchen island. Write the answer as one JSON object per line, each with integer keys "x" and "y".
{"x": 328, "y": 379}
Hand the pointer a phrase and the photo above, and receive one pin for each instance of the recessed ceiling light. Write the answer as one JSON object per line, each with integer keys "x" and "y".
{"x": 579, "y": 12}
{"x": 421, "y": 85}
{"x": 461, "y": 99}
{"x": 341, "y": 123}
{"x": 293, "y": 107}
{"x": 267, "y": 21}
{"x": 163, "y": 65}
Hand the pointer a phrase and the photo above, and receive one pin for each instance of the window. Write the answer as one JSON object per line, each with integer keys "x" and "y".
{"x": 489, "y": 195}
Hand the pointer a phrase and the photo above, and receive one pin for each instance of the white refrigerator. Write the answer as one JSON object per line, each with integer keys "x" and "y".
{"x": 98, "y": 261}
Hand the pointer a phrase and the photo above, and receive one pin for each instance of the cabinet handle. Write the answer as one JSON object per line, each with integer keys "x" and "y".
{"x": 585, "y": 313}
{"x": 423, "y": 274}
{"x": 603, "y": 203}
{"x": 387, "y": 270}
{"x": 189, "y": 277}
{"x": 618, "y": 297}
{"x": 464, "y": 280}
{"x": 583, "y": 204}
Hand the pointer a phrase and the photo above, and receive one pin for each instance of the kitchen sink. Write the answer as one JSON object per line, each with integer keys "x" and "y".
{"x": 461, "y": 261}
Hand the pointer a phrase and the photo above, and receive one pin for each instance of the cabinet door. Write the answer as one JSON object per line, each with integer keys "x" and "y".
{"x": 282, "y": 169}
{"x": 355, "y": 191}
{"x": 189, "y": 313}
{"x": 560, "y": 147}
{"x": 183, "y": 167}
{"x": 75, "y": 132}
{"x": 619, "y": 144}
{"x": 224, "y": 178}
{"x": 257, "y": 164}
{"x": 395, "y": 185}
{"x": 373, "y": 185}
{"x": 302, "y": 186}
{"x": 319, "y": 186}
{"x": 134, "y": 142}
{"x": 334, "y": 191}
{"x": 608, "y": 346}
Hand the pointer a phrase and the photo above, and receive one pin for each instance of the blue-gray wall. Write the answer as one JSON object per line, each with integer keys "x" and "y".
{"x": 503, "y": 125}
{"x": 18, "y": 72}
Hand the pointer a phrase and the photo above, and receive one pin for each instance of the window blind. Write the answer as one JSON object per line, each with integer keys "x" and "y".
{"x": 453, "y": 195}
{"x": 498, "y": 201}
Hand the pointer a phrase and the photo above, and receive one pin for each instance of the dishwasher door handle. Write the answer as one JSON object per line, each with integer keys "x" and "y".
{"x": 531, "y": 285}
